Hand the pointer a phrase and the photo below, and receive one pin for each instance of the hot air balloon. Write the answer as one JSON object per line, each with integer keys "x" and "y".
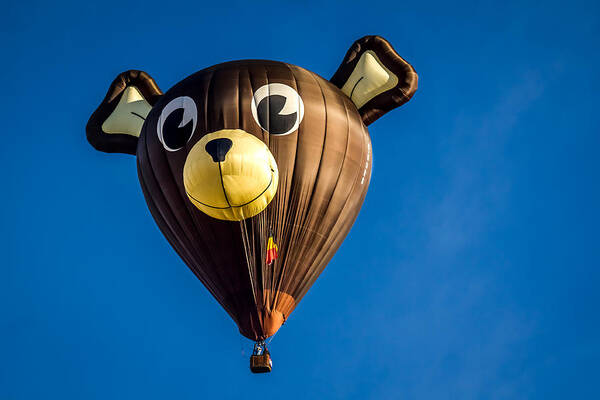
{"x": 255, "y": 170}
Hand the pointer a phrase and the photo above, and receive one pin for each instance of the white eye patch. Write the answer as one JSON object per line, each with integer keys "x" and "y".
{"x": 174, "y": 129}
{"x": 277, "y": 108}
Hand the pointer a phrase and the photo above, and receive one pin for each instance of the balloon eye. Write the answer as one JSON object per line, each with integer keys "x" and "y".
{"x": 277, "y": 108}
{"x": 177, "y": 123}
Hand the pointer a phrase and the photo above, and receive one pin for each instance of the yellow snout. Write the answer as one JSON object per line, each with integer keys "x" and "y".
{"x": 230, "y": 175}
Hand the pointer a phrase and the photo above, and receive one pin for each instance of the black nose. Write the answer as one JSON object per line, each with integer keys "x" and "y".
{"x": 218, "y": 148}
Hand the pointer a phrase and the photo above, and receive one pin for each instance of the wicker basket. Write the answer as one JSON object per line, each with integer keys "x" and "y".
{"x": 261, "y": 363}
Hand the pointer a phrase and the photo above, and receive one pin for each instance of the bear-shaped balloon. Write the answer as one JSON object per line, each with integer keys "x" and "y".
{"x": 255, "y": 170}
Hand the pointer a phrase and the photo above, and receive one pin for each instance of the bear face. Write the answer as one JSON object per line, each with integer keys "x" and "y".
{"x": 216, "y": 127}
{"x": 249, "y": 156}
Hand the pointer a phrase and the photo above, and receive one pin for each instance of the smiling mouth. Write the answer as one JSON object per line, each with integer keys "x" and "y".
{"x": 225, "y": 192}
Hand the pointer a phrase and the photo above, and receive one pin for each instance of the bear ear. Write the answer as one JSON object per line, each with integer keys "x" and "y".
{"x": 375, "y": 77}
{"x": 116, "y": 124}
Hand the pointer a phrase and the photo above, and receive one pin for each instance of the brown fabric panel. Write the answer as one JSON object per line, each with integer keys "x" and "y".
{"x": 284, "y": 150}
{"x": 334, "y": 156}
{"x": 347, "y": 213}
{"x": 209, "y": 244}
{"x": 307, "y": 166}
{"x": 170, "y": 225}
{"x": 171, "y": 237}
{"x": 344, "y": 203}
{"x": 114, "y": 142}
{"x": 390, "y": 99}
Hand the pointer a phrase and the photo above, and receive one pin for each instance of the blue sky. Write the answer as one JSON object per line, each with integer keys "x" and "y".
{"x": 471, "y": 272}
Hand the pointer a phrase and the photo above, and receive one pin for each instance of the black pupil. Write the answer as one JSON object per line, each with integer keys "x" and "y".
{"x": 269, "y": 116}
{"x": 174, "y": 136}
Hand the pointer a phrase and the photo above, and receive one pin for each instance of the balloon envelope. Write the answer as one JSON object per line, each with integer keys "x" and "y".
{"x": 324, "y": 167}
{"x": 255, "y": 170}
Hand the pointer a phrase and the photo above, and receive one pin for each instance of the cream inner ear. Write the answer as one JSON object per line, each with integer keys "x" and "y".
{"x": 369, "y": 79}
{"x": 129, "y": 115}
